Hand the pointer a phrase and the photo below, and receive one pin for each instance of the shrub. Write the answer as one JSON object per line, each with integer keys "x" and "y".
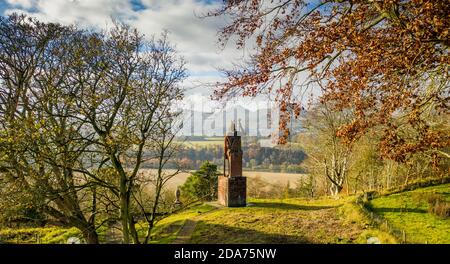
{"x": 434, "y": 198}
{"x": 438, "y": 206}
{"x": 441, "y": 209}
{"x": 202, "y": 184}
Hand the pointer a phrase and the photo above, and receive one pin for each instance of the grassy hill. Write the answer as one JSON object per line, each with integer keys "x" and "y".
{"x": 410, "y": 213}
{"x": 283, "y": 221}
{"x": 293, "y": 220}
{"x": 325, "y": 220}
{"x": 275, "y": 221}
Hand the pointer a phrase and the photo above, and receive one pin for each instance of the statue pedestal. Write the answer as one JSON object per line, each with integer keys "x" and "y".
{"x": 232, "y": 191}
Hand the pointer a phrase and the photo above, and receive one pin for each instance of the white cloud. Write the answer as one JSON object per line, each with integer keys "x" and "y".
{"x": 86, "y": 13}
{"x": 21, "y": 3}
{"x": 195, "y": 38}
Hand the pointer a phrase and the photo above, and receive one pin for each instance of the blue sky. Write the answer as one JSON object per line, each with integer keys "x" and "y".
{"x": 195, "y": 38}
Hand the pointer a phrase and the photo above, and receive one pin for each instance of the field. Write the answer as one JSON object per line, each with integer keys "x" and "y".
{"x": 269, "y": 177}
{"x": 276, "y": 177}
{"x": 208, "y": 141}
{"x": 408, "y": 211}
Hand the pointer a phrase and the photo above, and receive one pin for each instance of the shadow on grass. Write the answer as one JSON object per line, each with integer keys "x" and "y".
{"x": 287, "y": 206}
{"x": 399, "y": 210}
{"x": 220, "y": 234}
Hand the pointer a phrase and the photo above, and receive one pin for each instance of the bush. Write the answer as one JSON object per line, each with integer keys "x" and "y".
{"x": 438, "y": 206}
{"x": 202, "y": 184}
{"x": 441, "y": 209}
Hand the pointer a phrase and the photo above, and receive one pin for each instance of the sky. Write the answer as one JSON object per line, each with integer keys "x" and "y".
{"x": 195, "y": 38}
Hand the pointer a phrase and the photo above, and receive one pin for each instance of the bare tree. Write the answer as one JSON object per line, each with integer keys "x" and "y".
{"x": 40, "y": 145}
{"x": 327, "y": 153}
{"x": 126, "y": 92}
{"x": 163, "y": 154}
{"x": 78, "y": 112}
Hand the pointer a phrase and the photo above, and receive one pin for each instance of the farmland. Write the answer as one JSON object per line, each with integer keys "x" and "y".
{"x": 269, "y": 177}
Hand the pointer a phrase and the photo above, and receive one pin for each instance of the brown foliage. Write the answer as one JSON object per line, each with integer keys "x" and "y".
{"x": 385, "y": 60}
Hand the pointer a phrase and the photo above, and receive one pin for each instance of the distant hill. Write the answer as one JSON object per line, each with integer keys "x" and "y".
{"x": 257, "y": 122}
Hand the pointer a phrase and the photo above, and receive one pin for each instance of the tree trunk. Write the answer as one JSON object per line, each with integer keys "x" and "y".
{"x": 335, "y": 189}
{"x": 90, "y": 235}
{"x": 124, "y": 214}
{"x": 149, "y": 231}
{"x": 134, "y": 234}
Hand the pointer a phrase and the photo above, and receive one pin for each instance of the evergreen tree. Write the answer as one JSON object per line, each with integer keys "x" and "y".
{"x": 202, "y": 184}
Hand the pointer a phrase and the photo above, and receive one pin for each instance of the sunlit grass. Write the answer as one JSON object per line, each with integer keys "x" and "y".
{"x": 166, "y": 230}
{"x": 284, "y": 221}
{"x": 45, "y": 235}
{"x": 408, "y": 211}
{"x": 292, "y": 220}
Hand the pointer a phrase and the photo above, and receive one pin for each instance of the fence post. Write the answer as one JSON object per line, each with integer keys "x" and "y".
{"x": 404, "y": 236}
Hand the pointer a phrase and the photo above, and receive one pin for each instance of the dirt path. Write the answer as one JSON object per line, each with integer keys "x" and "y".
{"x": 184, "y": 235}
{"x": 186, "y": 231}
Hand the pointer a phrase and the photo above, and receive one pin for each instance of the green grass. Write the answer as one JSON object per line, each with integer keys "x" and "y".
{"x": 292, "y": 220}
{"x": 166, "y": 230}
{"x": 283, "y": 221}
{"x": 408, "y": 211}
{"x": 45, "y": 235}
{"x": 352, "y": 214}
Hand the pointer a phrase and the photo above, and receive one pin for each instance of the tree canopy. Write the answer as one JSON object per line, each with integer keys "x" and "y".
{"x": 202, "y": 184}
{"x": 80, "y": 112}
{"x": 385, "y": 61}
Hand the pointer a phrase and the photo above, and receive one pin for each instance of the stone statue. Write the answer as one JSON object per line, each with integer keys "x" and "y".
{"x": 232, "y": 127}
{"x": 232, "y": 154}
{"x": 232, "y": 190}
{"x": 177, "y": 197}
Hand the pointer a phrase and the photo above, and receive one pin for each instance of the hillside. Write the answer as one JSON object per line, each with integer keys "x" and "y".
{"x": 271, "y": 221}
{"x": 409, "y": 213}
{"x": 319, "y": 221}
{"x": 293, "y": 220}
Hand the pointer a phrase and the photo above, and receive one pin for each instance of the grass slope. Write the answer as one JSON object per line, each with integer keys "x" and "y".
{"x": 286, "y": 221}
{"x": 166, "y": 230}
{"x": 47, "y": 235}
{"x": 408, "y": 211}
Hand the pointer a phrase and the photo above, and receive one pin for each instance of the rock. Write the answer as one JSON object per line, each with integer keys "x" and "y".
{"x": 73, "y": 240}
{"x": 373, "y": 240}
